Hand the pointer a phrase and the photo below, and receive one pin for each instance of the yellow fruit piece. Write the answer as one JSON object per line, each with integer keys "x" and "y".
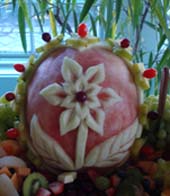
{"x": 137, "y": 145}
{"x": 67, "y": 177}
{"x": 166, "y": 192}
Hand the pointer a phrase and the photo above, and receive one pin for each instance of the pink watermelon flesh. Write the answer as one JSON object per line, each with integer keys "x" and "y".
{"x": 118, "y": 116}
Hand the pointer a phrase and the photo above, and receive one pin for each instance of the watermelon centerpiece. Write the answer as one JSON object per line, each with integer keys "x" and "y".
{"x": 81, "y": 102}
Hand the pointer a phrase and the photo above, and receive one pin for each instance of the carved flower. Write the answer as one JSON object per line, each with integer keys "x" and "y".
{"x": 81, "y": 96}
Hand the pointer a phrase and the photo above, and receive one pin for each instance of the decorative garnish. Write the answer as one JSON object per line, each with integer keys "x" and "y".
{"x": 46, "y": 37}
{"x": 85, "y": 87}
{"x": 137, "y": 70}
{"x": 12, "y": 133}
{"x": 150, "y": 73}
{"x": 19, "y": 67}
{"x": 125, "y": 43}
{"x": 10, "y": 96}
{"x": 82, "y": 30}
{"x": 80, "y": 95}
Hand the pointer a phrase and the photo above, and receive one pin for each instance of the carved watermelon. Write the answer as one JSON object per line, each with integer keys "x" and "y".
{"x": 82, "y": 108}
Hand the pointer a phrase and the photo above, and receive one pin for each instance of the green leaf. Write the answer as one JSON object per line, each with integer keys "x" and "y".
{"x": 150, "y": 61}
{"x": 65, "y": 23}
{"x": 109, "y": 18}
{"x": 53, "y": 23}
{"x": 21, "y": 23}
{"x": 118, "y": 9}
{"x": 75, "y": 19}
{"x": 93, "y": 24}
{"x": 163, "y": 60}
{"x": 13, "y": 4}
{"x": 38, "y": 17}
{"x": 161, "y": 41}
{"x": 25, "y": 10}
{"x": 86, "y": 7}
{"x": 43, "y": 5}
{"x": 152, "y": 25}
{"x": 136, "y": 12}
{"x": 161, "y": 16}
{"x": 68, "y": 2}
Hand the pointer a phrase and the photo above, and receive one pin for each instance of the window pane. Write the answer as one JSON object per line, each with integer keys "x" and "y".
{"x": 9, "y": 33}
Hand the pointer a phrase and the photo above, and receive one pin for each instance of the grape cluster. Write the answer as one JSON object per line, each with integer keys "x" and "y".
{"x": 7, "y": 119}
{"x": 157, "y": 128}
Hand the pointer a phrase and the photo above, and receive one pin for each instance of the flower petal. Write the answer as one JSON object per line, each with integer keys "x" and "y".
{"x": 53, "y": 93}
{"x": 69, "y": 120}
{"x": 96, "y": 121}
{"x": 108, "y": 96}
{"x": 71, "y": 70}
{"x": 80, "y": 84}
{"x": 82, "y": 110}
{"x": 68, "y": 102}
{"x": 95, "y": 74}
{"x": 93, "y": 102}
{"x": 69, "y": 88}
{"x": 93, "y": 89}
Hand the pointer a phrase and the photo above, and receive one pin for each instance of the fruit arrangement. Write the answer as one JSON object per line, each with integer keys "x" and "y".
{"x": 40, "y": 156}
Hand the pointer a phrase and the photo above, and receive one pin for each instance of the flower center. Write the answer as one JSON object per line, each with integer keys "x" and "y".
{"x": 81, "y": 96}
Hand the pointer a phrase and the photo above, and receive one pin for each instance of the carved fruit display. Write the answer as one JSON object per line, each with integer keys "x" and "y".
{"x": 82, "y": 100}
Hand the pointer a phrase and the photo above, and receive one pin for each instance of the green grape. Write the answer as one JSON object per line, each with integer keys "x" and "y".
{"x": 7, "y": 118}
{"x": 161, "y": 134}
{"x": 160, "y": 143}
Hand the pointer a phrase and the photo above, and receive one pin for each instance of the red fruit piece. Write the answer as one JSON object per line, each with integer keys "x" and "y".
{"x": 93, "y": 174}
{"x": 46, "y": 37}
{"x": 43, "y": 192}
{"x": 150, "y": 73}
{"x": 82, "y": 30}
{"x": 56, "y": 187}
{"x": 147, "y": 151}
{"x": 9, "y": 96}
{"x": 19, "y": 67}
{"x": 115, "y": 180}
{"x": 125, "y": 43}
{"x": 110, "y": 192}
{"x": 12, "y": 133}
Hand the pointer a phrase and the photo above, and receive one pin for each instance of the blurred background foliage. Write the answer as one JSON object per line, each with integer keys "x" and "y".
{"x": 145, "y": 23}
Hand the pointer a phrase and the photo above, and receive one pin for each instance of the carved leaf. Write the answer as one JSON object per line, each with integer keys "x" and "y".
{"x": 48, "y": 147}
{"x": 113, "y": 150}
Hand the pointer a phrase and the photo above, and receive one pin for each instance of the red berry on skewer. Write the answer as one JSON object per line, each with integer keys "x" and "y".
{"x": 46, "y": 37}
{"x": 9, "y": 96}
{"x": 19, "y": 67}
{"x": 82, "y": 30}
{"x": 12, "y": 133}
{"x": 125, "y": 43}
{"x": 150, "y": 73}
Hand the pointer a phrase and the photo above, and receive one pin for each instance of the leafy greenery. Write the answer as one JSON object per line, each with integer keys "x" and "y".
{"x": 113, "y": 18}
